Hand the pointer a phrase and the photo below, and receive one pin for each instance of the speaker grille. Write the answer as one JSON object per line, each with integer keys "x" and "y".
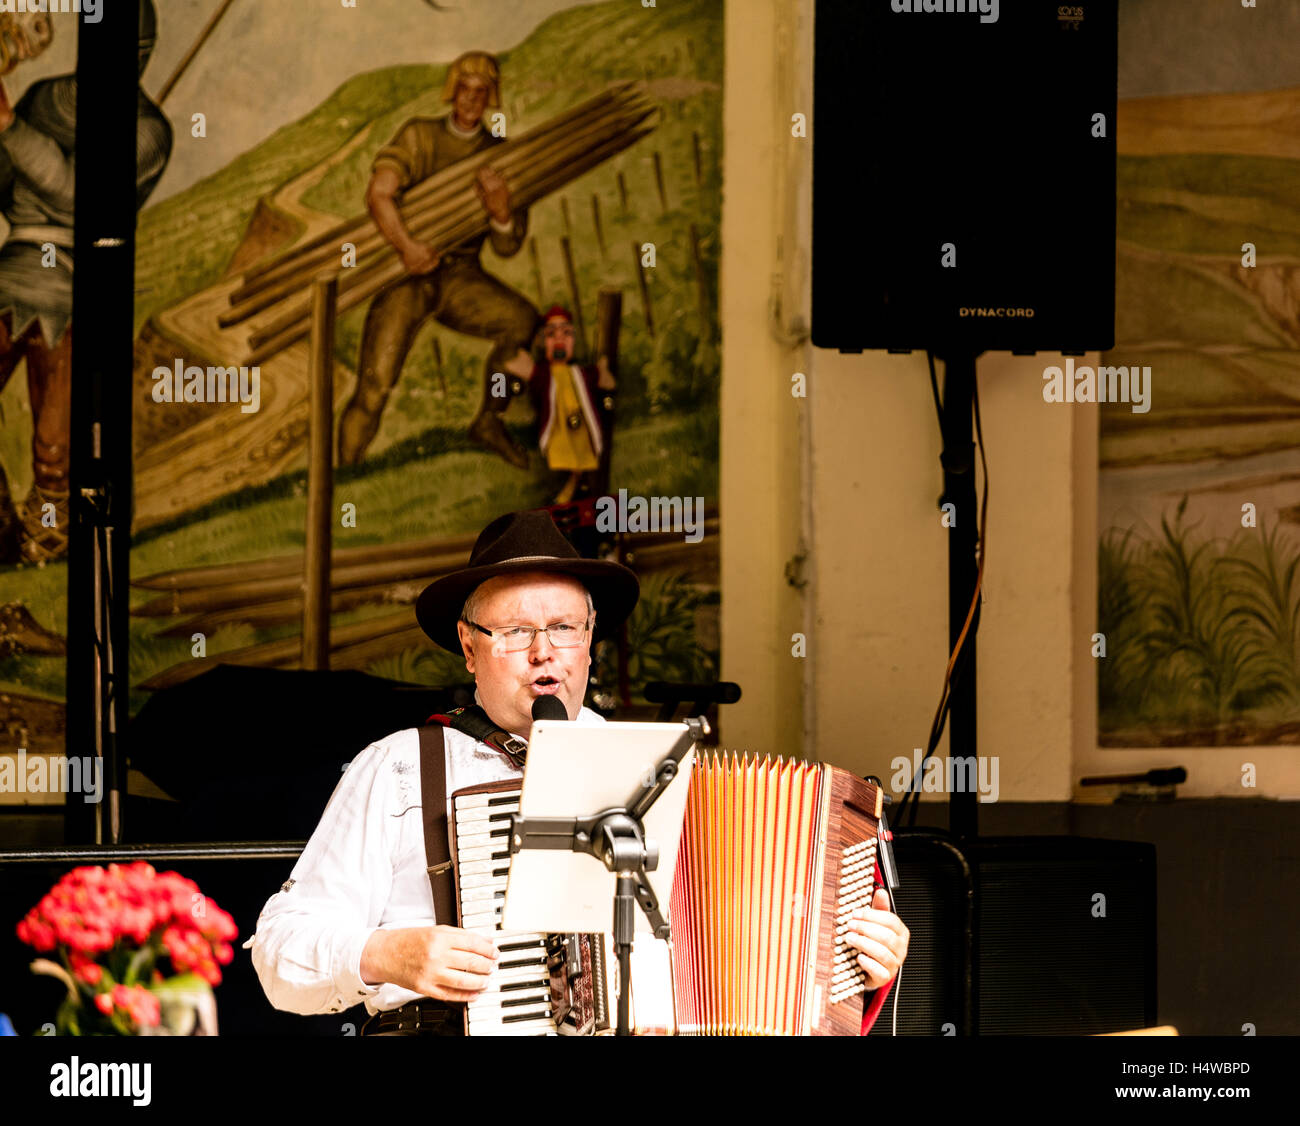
{"x": 1066, "y": 936}
{"x": 963, "y": 190}
{"x": 1061, "y": 939}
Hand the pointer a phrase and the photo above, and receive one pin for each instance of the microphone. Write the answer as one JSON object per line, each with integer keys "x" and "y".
{"x": 549, "y": 707}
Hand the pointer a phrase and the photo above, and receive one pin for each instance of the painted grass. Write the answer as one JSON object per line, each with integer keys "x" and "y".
{"x": 1202, "y": 634}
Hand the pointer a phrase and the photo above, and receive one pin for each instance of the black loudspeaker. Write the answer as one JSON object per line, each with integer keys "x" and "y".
{"x": 964, "y": 175}
{"x": 1065, "y": 936}
{"x": 935, "y": 898}
{"x": 1024, "y": 936}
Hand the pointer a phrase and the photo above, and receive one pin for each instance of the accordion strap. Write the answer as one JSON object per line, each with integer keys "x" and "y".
{"x": 473, "y": 721}
{"x": 437, "y": 846}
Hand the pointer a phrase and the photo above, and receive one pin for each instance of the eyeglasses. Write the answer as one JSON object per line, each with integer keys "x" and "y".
{"x": 512, "y": 639}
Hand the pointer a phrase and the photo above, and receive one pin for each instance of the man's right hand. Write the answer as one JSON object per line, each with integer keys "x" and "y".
{"x": 420, "y": 258}
{"x": 446, "y": 963}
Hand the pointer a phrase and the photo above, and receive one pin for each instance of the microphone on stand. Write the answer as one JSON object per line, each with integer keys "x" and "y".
{"x": 549, "y": 707}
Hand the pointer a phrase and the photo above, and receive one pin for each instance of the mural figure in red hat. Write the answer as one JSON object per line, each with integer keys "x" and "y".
{"x": 572, "y": 402}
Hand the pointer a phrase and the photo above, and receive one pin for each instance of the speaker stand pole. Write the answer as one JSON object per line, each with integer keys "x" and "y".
{"x": 100, "y": 451}
{"x": 958, "y": 461}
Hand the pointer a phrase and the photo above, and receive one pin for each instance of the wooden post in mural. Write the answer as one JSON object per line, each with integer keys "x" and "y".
{"x": 537, "y": 270}
{"x": 645, "y": 289}
{"x": 659, "y": 182}
{"x": 609, "y": 318}
{"x": 438, "y": 361}
{"x": 701, "y": 282}
{"x": 622, "y": 192}
{"x": 320, "y": 475}
{"x": 595, "y": 218}
{"x": 699, "y": 161}
{"x": 574, "y": 294}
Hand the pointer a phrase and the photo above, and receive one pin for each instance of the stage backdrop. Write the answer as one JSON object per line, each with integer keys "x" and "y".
{"x": 290, "y": 122}
{"x": 1199, "y": 499}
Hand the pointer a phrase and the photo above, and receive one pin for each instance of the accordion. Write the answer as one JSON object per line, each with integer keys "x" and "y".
{"x": 774, "y": 858}
{"x": 544, "y": 984}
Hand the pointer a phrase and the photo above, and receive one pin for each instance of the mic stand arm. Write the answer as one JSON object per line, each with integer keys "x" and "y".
{"x": 616, "y": 837}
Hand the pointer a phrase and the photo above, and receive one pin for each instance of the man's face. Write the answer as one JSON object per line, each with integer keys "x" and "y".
{"x": 508, "y": 683}
{"x": 559, "y": 336}
{"x": 471, "y": 100}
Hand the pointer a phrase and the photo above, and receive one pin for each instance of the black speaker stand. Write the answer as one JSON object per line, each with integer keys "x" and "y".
{"x": 958, "y": 461}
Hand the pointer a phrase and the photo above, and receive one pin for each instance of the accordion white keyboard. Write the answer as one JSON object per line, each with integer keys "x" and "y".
{"x": 517, "y": 1000}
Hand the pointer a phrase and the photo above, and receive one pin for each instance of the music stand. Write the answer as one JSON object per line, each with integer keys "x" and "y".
{"x": 553, "y": 886}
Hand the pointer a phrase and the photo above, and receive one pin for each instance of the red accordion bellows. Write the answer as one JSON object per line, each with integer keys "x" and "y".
{"x": 775, "y": 856}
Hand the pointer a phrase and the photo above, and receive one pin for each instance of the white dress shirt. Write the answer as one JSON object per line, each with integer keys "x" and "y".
{"x": 364, "y": 868}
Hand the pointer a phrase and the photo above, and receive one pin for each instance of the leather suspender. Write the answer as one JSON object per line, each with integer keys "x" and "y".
{"x": 433, "y": 795}
{"x": 437, "y": 846}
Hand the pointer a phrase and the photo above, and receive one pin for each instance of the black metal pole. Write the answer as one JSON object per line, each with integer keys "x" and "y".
{"x": 100, "y": 456}
{"x": 958, "y": 459}
{"x": 624, "y": 930}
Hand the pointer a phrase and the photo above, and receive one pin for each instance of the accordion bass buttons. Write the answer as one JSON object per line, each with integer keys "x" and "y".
{"x": 857, "y": 883}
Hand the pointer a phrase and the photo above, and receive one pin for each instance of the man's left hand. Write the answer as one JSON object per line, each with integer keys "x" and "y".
{"x": 880, "y": 938}
{"x": 493, "y": 193}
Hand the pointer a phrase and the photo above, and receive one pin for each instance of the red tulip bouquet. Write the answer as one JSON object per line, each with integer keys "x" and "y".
{"x": 114, "y": 931}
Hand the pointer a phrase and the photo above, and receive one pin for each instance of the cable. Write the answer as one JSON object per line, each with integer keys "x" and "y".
{"x": 934, "y": 388}
{"x": 898, "y": 978}
{"x": 941, "y": 712}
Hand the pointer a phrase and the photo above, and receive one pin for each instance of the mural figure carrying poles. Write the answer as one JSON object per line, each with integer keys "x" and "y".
{"x": 448, "y": 285}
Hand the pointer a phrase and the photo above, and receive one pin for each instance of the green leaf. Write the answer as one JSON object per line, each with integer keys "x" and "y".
{"x": 181, "y": 984}
{"x": 141, "y": 963}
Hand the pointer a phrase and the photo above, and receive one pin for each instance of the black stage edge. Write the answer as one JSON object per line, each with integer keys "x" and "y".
{"x": 347, "y": 1072}
{"x": 103, "y": 294}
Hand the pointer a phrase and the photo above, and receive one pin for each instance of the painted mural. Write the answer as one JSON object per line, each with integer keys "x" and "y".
{"x": 1199, "y": 505}
{"x": 513, "y": 207}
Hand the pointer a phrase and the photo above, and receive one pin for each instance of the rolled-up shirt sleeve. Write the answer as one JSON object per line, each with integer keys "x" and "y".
{"x": 309, "y": 937}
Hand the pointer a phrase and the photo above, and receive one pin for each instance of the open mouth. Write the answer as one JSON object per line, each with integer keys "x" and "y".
{"x": 546, "y": 684}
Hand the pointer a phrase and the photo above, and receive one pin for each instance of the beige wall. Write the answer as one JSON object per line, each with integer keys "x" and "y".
{"x": 760, "y": 478}
{"x": 875, "y": 597}
{"x": 882, "y": 555}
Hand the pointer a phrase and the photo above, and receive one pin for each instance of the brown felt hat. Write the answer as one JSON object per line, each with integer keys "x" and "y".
{"x": 515, "y": 543}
